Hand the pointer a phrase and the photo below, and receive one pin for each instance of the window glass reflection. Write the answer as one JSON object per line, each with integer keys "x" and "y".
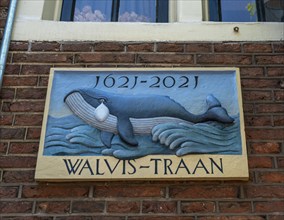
{"x": 129, "y": 10}
{"x": 93, "y": 10}
{"x": 239, "y": 11}
{"x": 137, "y": 11}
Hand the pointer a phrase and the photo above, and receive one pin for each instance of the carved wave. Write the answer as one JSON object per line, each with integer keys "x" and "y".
{"x": 70, "y": 136}
{"x": 198, "y": 138}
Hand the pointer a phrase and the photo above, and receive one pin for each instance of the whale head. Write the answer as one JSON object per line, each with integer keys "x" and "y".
{"x": 95, "y": 100}
{"x": 93, "y": 97}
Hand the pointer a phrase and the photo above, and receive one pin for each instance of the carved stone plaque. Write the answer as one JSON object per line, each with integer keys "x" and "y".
{"x": 110, "y": 124}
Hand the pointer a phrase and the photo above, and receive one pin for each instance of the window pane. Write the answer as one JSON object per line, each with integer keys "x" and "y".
{"x": 274, "y": 10}
{"x": 239, "y": 10}
{"x": 93, "y": 10}
{"x": 137, "y": 11}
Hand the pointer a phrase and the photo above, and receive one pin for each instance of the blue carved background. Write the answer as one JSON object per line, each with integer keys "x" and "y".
{"x": 67, "y": 135}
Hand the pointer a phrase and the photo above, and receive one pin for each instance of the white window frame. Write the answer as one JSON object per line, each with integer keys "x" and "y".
{"x": 39, "y": 20}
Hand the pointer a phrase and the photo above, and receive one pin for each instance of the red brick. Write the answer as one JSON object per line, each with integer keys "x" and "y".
{"x": 8, "y": 192}
{"x": 28, "y": 119}
{"x": 278, "y": 47}
{"x": 109, "y": 46}
{"x": 257, "y": 95}
{"x": 198, "y": 207}
{"x": 260, "y": 162}
{"x": 31, "y": 93}
{"x": 266, "y": 148}
{"x": 33, "y": 133}
{"x": 276, "y": 217}
{"x": 271, "y": 177}
{"x": 264, "y": 134}
{"x": 163, "y": 217}
{"x": 3, "y": 148}
{"x": 24, "y": 106}
{"x": 170, "y": 47}
{"x": 17, "y": 162}
{"x": 278, "y": 120}
{"x": 93, "y": 217}
{"x": 17, "y": 176}
{"x": 237, "y": 217}
{"x": 140, "y": 47}
{"x": 165, "y": 58}
{"x": 227, "y": 47}
{"x": 224, "y": 59}
{"x": 123, "y": 207}
{"x": 12, "y": 133}
{"x": 271, "y": 206}
{"x": 7, "y": 93}
{"x": 280, "y": 162}
{"x": 255, "y": 191}
{"x": 43, "y": 81}
{"x": 257, "y": 48}
{"x": 4, "y": 3}
{"x": 87, "y": 206}
{"x": 2, "y": 26}
{"x": 235, "y": 207}
{"x": 206, "y": 192}
{"x": 269, "y": 59}
{"x": 129, "y": 191}
{"x": 105, "y": 58}
{"x": 275, "y": 71}
{"x": 6, "y": 119}
{"x": 28, "y": 217}
{"x": 269, "y": 108}
{"x": 159, "y": 207}
{"x": 16, "y": 207}
{"x": 3, "y": 12}
{"x": 23, "y": 148}
{"x": 42, "y": 58}
{"x": 2, "y": 23}
{"x": 258, "y": 121}
{"x": 251, "y": 71}
{"x": 77, "y": 47}
{"x": 12, "y": 69}
{"x": 198, "y": 47}
{"x": 45, "y": 46}
{"x": 19, "y": 81}
{"x": 53, "y": 207}
{"x": 279, "y": 95}
{"x": 35, "y": 69}
{"x": 19, "y": 46}
{"x": 52, "y": 191}
{"x": 78, "y": 65}
{"x": 260, "y": 83}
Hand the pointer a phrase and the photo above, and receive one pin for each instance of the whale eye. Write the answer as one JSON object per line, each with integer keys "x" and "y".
{"x": 102, "y": 100}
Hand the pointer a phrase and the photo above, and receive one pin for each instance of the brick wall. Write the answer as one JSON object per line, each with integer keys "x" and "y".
{"x": 22, "y": 101}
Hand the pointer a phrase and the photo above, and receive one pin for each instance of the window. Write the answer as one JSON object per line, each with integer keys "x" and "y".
{"x": 184, "y": 24}
{"x": 115, "y": 10}
{"x": 246, "y": 10}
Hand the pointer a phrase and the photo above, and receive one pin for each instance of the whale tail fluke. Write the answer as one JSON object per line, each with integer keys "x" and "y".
{"x": 216, "y": 112}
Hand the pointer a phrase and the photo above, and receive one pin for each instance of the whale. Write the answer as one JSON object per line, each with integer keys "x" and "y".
{"x": 130, "y": 115}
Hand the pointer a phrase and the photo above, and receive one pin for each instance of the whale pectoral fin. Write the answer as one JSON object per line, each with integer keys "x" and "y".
{"x": 106, "y": 138}
{"x": 125, "y": 131}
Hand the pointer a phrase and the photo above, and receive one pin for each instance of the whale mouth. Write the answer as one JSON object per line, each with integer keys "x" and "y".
{"x": 87, "y": 94}
{"x": 81, "y": 108}
{"x": 101, "y": 112}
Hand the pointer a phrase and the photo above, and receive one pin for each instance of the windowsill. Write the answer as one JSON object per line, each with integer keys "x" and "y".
{"x": 43, "y": 30}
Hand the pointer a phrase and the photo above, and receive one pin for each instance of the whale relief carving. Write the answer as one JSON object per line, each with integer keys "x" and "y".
{"x": 127, "y": 128}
